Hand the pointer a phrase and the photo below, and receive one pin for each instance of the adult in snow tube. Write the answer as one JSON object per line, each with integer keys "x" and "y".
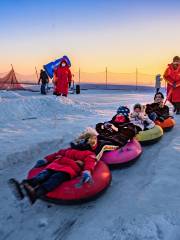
{"x": 167, "y": 124}
{"x": 150, "y": 136}
{"x": 172, "y": 76}
{"x": 74, "y": 190}
{"x": 158, "y": 111}
{"x": 62, "y": 79}
{"x": 129, "y": 153}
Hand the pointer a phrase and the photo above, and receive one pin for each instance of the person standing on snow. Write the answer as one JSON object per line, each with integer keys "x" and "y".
{"x": 62, "y": 79}
{"x": 158, "y": 82}
{"x": 44, "y": 81}
{"x": 172, "y": 76}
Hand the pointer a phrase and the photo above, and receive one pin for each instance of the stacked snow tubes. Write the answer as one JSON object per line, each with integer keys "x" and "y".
{"x": 167, "y": 124}
{"x": 74, "y": 191}
{"x": 150, "y": 136}
{"x": 123, "y": 156}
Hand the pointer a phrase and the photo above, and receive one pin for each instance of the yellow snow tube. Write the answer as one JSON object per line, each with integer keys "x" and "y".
{"x": 150, "y": 136}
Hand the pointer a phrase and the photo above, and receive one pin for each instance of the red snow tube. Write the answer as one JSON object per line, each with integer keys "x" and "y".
{"x": 167, "y": 124}
{"x": 71, "y": 192}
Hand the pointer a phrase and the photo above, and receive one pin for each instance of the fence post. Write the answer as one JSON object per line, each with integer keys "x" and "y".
{"x": 136, "y": 77}
{"x": 106, "y": 77}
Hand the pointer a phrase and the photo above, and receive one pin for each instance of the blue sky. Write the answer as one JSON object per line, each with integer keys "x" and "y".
{"x": 93, "y": 33}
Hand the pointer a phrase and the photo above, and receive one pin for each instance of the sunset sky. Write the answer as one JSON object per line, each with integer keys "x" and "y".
{"x": 119, "y": 34}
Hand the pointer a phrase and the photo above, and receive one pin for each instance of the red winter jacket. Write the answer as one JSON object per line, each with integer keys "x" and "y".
{"x": 173, "y": 76}
{"x": 71, "y": 161}
{"x": 62, "y": 76}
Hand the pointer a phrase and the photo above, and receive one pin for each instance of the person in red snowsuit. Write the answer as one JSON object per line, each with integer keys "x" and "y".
{"x": 62, "y": 79}
{"x": 59, "y": 167}
{"x": 172, "y": 76}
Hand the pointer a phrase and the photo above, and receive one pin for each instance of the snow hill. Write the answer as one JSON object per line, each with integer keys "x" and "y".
{"x": 143, "y": 201}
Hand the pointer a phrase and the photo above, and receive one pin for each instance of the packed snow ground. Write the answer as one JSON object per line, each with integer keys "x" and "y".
{"x": 143, "y": 201}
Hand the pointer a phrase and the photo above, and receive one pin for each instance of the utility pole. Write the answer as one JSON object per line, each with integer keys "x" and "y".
{"x": 136, "y": 78}
{"x": 106, "y": 77}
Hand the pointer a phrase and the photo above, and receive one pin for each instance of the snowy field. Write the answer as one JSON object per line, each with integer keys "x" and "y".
{"x": 143, "y": 201}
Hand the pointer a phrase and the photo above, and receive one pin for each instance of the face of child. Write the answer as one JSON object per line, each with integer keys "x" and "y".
{"x": 137, "y": 110}
{"x": 158, "y": 99}
{"x": 92, "y": 140}
{"x": 120, "y": 118}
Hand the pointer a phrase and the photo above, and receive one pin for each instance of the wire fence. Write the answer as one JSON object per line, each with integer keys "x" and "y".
{"x": 106, "y": 78}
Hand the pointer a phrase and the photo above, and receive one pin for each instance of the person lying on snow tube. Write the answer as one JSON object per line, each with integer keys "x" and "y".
{"x": 90, "y": 140}
{"x": 59, "y": 167}
{"x": 157, "y": 110}
{"x": 118, "y": 130}
{"x": 140, "y": 119}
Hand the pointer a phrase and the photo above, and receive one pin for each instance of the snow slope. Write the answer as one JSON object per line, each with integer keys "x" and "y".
{"x": 142, "y": 201}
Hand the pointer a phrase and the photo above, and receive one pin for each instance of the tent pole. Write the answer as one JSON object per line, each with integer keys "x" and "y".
{"x": 14, "y": 72}
{"x": 12, "y": 67}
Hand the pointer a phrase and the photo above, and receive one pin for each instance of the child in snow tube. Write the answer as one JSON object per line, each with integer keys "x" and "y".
{"x": 105, "y": 150}
{"x": 148, "y": 131}
{"x": 90, "y": 140}
{"x": 119, "y": 130}
{"x": 58, "y": 168}
{"x": 160, "y": 113}
{"x": 140, "y": 119}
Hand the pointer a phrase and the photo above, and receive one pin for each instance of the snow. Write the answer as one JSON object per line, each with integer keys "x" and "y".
{"x": 143, "y": 201}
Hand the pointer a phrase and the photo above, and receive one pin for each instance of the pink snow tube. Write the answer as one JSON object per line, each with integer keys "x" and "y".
{"x": 129, "y": 152}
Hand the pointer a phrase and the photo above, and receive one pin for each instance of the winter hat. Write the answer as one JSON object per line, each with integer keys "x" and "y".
{"x": 138, "y": 105}
{"x": 123, "y": 110}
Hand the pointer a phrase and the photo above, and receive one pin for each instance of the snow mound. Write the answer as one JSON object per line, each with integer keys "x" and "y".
{"x": 15, "y": 107}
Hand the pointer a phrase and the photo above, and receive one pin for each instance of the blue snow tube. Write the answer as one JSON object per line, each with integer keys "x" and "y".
{"x": 49, "y": 67}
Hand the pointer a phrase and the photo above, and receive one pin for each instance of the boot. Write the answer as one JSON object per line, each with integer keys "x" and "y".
{"x": 16, "y": 188}
{"x": 32, "y": 182}
{"x": 33, "y": 193}
{"x": 178, "y": 111}
{"x": 30, "y": 192}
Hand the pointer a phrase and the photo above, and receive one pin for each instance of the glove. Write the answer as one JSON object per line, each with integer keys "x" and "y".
{"x": 161, "y": 119}
{"x": 174, "y": 84}
{"x": 153, "y": 116}
{"x": 40, "y": 163}
{"x": 86, "y": 176}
